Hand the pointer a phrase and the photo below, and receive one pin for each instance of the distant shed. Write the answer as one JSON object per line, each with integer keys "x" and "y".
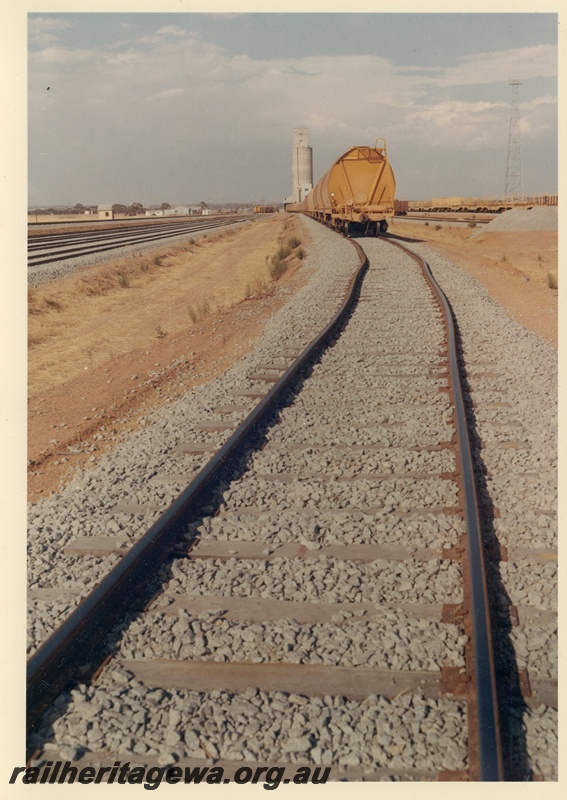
{"x": 105, "y": 212}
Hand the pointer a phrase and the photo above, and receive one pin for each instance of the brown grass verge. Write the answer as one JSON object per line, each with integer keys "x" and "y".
{"x": 82, "y": 320}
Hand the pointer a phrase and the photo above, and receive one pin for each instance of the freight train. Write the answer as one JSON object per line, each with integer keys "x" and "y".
{"x": 356, "y": 195}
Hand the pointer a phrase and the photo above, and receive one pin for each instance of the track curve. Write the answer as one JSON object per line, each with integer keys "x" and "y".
{"x": 58, "y": 659}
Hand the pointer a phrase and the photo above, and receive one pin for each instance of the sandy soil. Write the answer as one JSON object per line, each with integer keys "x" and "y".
{"x": 87, "y": 397}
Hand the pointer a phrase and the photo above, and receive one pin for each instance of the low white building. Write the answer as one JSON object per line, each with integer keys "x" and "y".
{"x": 174, "y": 211}
{"x": 180, "y": 211}
{"x": 105, "y": 212}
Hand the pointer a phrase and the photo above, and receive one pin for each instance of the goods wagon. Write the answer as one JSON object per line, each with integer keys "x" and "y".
{"x": 265, "y": 209}
{"x": 356, "y": 195}
{"x": 483, "y": 204}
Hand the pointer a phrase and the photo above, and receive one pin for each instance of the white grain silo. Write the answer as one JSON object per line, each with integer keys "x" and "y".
{"x": 302, "y": 164}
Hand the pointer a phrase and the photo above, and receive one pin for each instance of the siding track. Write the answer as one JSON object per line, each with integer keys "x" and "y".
{"x": 51, "y": 248}
{"x": 322, "y": 599}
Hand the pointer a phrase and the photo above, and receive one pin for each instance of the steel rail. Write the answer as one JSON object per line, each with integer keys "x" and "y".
{"x": 458, "y": 221}
{"x": 55, "y": 252}
{"x": 46, "y": 239}
{"x": 485, "y": 698}
{"x": 62, "y": 655}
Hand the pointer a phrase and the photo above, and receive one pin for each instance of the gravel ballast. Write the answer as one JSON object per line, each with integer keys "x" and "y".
{"x": 540, "y": 218}
{"x": 330, "y": 496}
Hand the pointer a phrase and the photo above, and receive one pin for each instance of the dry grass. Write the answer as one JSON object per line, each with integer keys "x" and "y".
{"x": 87, "y": 318}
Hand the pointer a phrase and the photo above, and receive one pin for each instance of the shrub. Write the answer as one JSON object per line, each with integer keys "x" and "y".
{"x": 260, "y": 286}
{"x": 157, "y": 261}
{"x": 551, "y": 281}
{"x": 53, "y": 305}
{"x": 283, "y": 252}
{"x": 438, "y": 227}
{"x": 277, "y": 267}
{"x": 144, "y": 266}
{"x": 472, "y": 224}
{"x": 160, "y": 333}
{"x": 294, "y": 242}
{"x": 300, "y": 253}
{"x": 204, "y": 309}
{"x": 123, "y": 280}
{"x": 426, "y": 224}
{"x": 504, "y": 258}
{"x": 192, "y": 313}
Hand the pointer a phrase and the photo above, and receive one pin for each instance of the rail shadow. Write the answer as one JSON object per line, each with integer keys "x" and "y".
{"x": 512, "y": 707}
{"x": 396, "y": 236}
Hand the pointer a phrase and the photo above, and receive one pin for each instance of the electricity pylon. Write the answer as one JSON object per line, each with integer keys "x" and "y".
{"x": 514, "y": 161}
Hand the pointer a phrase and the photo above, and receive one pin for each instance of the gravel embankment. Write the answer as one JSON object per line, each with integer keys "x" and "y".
{"x": 387, "y": 495}
{"x": 127, "y": 490}
{"x": 541, "y": 218}
{"x": 512, "y": 375}
{"x": 417, "y": 733}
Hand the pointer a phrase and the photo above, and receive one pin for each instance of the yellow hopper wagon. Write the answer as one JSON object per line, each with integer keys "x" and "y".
{"x": 356, "y": 195}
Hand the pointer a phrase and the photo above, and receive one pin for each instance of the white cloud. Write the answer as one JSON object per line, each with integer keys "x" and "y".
{"x": 231, "y": 108}
{"x": 165, "y": 94}
{"x": 45, "y": 30}
{"x": 122, "y": 59}
{"x": 62, "y": 57}
{"x": 171, "y": 30}
{"x": 539, "y": 61}
{"x": 466, "y": 125}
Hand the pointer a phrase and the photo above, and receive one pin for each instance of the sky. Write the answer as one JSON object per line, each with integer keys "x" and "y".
{"x": 185, "y": 107}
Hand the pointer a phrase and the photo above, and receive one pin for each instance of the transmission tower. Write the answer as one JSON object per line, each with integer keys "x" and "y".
{"x": 514, "y": 161}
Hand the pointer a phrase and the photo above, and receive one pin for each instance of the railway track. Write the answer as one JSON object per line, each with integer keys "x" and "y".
{"x": 49, "y": 248}
{"x": 319, "y": 601}
{"x": 411, "y": 217}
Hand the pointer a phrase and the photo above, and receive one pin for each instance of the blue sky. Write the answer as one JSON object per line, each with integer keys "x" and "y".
{"x": 201, "y": 106}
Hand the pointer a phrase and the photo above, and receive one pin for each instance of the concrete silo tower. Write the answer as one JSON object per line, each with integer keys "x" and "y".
{"x": 301, "y": 167}
{"x": 302, "y": 164}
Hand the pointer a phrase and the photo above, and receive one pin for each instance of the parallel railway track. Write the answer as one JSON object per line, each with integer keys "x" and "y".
{"x": 334, "y": 576}
{"x": 49, "y": 248}
{"x": 448, "y": 220}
